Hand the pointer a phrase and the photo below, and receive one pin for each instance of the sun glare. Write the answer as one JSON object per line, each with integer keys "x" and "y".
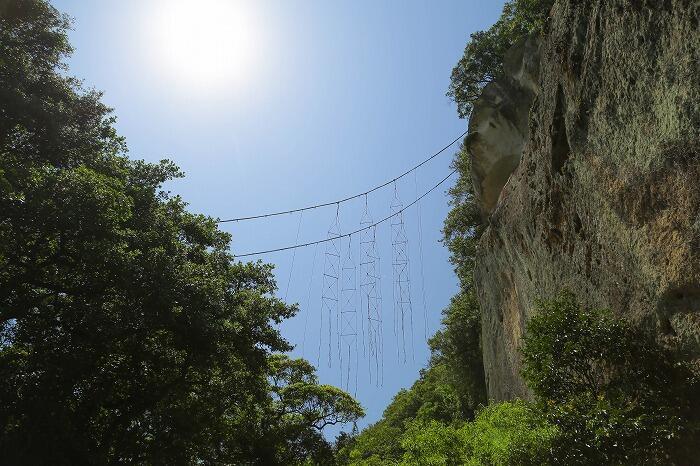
{"x": 206, "y": 43}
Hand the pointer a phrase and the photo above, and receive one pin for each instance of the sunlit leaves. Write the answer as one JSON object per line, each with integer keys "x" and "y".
{"x": 482, "y": 61}
{"x": 613, "y": 392}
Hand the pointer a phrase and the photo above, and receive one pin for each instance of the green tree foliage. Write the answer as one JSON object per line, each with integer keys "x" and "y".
{"x": 300, "y": 409}
{"x": 457, "y": 348}
{"x": 616, "y": 396}
{"x": 432, "y": 397}
{"x": 432, "y": 443}
{"x": 506, "y": 433}
{"x": 298, "y": 395}
{"x": 501, "y": 434}
{"x": 605, "y": 393}
{"x": 464, "y": 223}
{"x": 482, "y": 61}
{"x": 344, "y": 443}
{"x": 127, "y": 332}
{"x": 457, "y": 344}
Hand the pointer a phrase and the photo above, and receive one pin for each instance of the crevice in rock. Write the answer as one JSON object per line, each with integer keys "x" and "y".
{"x": 560, "y": 142}
{"x": 665, "y": 326}
{"x": 554, "y": 237}
{"x": 577, "y": 223}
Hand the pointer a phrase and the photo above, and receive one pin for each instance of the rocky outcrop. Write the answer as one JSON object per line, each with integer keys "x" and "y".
{"x": 605, "y": 199}
{"x": 498, "y": 123}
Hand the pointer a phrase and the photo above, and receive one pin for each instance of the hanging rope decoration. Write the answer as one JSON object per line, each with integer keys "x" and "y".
{"x": 348, "y": 321}
{"x": 330, "y": 291}
{"x": 403, "y": 308}
{"x": 421, "y": 261}
{"x": 340, "y": 314}
{"x": 370, "y": 296}
{"x": 351, "y": 312}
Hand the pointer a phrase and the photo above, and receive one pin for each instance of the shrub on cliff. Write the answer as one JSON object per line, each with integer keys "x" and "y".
{"x": 615, "y": 395}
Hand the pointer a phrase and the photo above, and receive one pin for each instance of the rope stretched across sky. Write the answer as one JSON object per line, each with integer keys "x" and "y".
{"x": 294, "y": 246}
{"x": 340, "y": 201}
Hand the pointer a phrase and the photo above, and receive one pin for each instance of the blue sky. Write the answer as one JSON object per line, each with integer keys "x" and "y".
{"x": 334, "y": 98}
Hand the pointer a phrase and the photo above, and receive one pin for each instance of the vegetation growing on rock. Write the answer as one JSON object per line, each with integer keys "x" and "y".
{"x": 604, "y": 393}
{"x": 483, "y": 57}
{"x": 599, "y": 389}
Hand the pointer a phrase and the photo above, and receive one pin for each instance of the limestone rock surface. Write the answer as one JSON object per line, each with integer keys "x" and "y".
{"x": 603, "y": 187}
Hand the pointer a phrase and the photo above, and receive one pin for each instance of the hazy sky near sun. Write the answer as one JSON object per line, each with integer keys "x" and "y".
{"x": 294, "y": 103}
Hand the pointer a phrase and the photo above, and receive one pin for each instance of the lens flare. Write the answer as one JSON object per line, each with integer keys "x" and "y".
{"x": 210, "y": 43}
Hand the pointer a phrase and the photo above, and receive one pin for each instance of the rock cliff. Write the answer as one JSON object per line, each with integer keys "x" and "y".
{"x": 587, "y": 164}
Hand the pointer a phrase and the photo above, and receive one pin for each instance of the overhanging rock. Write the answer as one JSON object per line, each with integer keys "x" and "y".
{"x": 498, "y": 123}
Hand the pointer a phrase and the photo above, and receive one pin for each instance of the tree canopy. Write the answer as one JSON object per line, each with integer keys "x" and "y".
{"x": 604, "y": 393}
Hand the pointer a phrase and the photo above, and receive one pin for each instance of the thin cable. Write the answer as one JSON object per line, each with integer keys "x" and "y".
{"x": 294, "y": 255}
{"x": 420, "y": 254}
{"x": 326, "y": 204}
{"x": 286, "y": 248}
{"x": 308, "y": 302}
{"x": 395, "y": 282}
{"x": 339, "y": 272}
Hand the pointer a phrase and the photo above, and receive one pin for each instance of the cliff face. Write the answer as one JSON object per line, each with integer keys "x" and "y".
{"x": 604, "y": 195}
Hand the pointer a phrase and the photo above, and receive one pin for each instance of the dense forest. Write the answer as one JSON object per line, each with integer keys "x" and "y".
{"x": 129, "y": 334}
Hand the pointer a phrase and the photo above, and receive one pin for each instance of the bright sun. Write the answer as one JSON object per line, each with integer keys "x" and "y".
{"x": 207, "y": 43}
